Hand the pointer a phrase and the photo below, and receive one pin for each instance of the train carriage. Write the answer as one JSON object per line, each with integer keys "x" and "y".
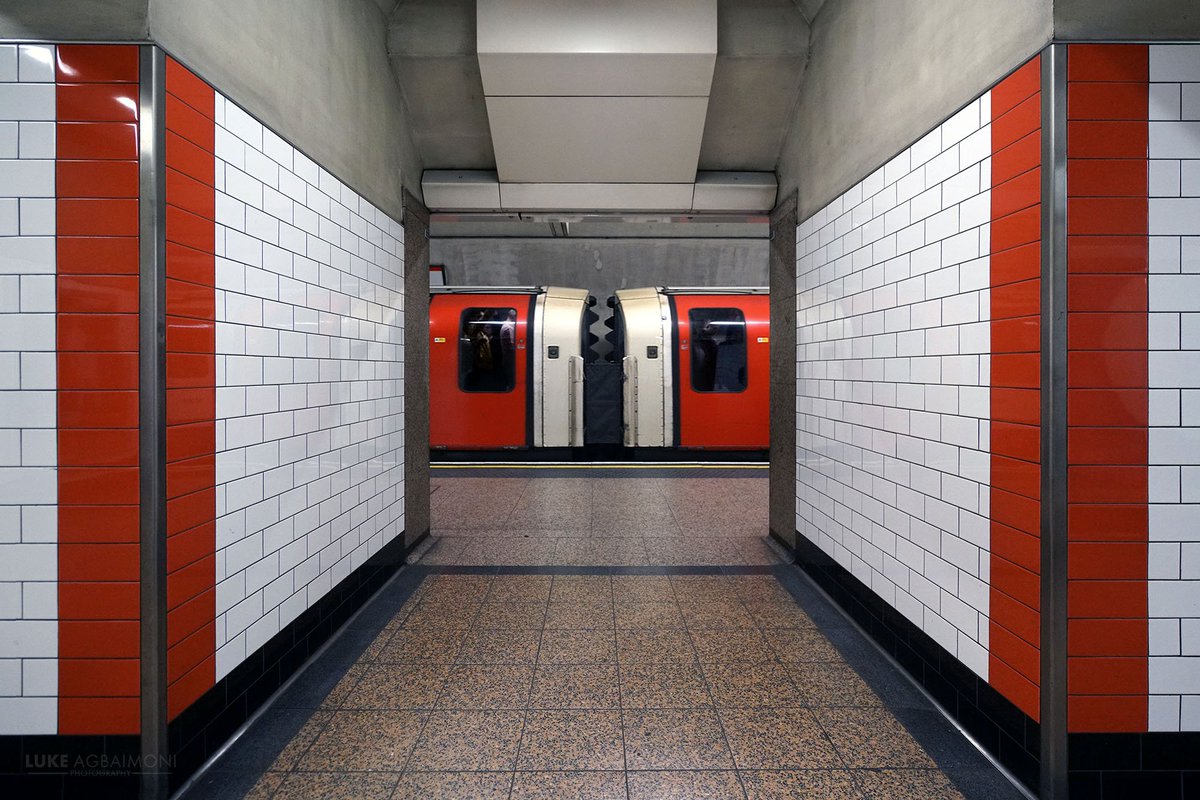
{"x": 506, "y": 367}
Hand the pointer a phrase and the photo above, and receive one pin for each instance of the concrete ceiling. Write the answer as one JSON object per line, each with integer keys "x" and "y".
{"x": 762, "y": 49}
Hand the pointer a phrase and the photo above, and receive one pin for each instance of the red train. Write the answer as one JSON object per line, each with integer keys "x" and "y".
{"x": 516, "y": 368}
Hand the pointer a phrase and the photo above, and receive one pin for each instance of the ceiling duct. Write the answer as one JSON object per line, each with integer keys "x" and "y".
{"x": 597, "y": 105}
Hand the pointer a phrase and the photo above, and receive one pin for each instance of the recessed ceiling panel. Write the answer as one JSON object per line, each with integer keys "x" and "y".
{"x": 597, "y": 139}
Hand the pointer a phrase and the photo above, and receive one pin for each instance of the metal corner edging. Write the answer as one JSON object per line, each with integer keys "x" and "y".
{"x": 152, "y": 436}
{"x": 1053, "y": 676}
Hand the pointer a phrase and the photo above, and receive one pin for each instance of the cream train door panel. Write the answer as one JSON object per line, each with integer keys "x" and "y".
{"x": 558, "y": 368}
{"x": 647, "y": 415}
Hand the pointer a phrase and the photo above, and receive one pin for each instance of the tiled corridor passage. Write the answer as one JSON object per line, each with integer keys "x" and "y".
{"x": 600, "y": 681}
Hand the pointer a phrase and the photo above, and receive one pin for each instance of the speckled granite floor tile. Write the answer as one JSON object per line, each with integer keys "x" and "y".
{"x": 364, "y": 740}
{"x": 763, "y": 684}
{"x": 575, "y": 686}
{"x": 396, "y": 686}
{"x": 680, "y": 785}
{"x": 675, "y": 740}
{"x": 777, "y": 738}
{"x": 824, "y": 684}
{"x": 578, "y": 647}
{"x": 337, "y": 786}
{"x": 660, "y": 614}
{"x": 663, "y": 686}
{"x": 468, "y": 740}
{"x": 572, "y": 740}
{"x": 580, "y": 615}
{"x": 872, "y": 737}
{"x": 642, "y": 646}
{"x": 574, "y": 785}
{"x": 453, "y": 786}
{"x": 733, "y": 645}
{"x": 577, "y": 588}
{"x": 893, "y": 784}
{"x": 482, "y": 686}
{"x": 423, "y": 646}
{"x": 807, "y": 784}
{"x": 500, "y": 647}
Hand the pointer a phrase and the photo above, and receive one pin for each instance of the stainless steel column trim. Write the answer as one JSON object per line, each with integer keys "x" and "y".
{"x": 152, "y": 402}
{"x": 1054, "y": 425}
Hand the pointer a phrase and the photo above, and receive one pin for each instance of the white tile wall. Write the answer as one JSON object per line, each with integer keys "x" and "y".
{"x": 1174, "y": 585}
{"x": 310, "y": 365}
{"x": 28, "y": 452}
{"x": 893, "y": 367}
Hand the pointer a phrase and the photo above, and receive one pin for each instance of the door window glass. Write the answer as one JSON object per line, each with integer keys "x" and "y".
{"x": 487, "y": 350}
{"x": 718, "y": 349}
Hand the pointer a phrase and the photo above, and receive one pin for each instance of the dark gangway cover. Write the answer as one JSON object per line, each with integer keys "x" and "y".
{"x": 602, "y": 403}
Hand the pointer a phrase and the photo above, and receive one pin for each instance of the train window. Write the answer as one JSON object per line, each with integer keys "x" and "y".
{"x": 487, "y": 353}
{"x": 718, "y": 349}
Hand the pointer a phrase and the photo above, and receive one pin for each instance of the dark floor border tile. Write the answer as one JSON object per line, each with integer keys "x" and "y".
{"x": 1136, "y": 765}
{"x": 452, "y": 569}
{"x": 847, "y": 623}
{"x": 64, "y": 766}
{"x": 207, "y": 725}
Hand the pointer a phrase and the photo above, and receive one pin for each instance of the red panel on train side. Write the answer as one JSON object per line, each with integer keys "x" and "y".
{"x": 478, "y": 371}
{"x": 723, "y": 383}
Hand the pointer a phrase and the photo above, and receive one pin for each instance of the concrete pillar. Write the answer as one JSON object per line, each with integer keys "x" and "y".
{"x": 416, "y": 369}
{"x": 783, "y": 372}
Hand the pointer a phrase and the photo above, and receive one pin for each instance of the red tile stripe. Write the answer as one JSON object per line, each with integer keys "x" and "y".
{"x": 1107, "y": 329}
{"x": 97, "y": 329}
{"x": 191, "y": 388}
{"x": 1013, "y": 636}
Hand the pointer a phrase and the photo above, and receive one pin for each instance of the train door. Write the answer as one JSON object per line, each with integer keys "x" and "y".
{"x": 647, "y": 410}
{"x": 479, "y": 391}
{"x": 723, "y": 384}
{"x": 558, "y": 360}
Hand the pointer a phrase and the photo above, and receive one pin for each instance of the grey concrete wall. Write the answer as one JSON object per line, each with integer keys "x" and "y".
{"x": 603, "y": 265}
{"x": 783, "y": 372}
{"x": 1127, "y": 19}
{"x": 67, "y": 20}
{"x": 316, "y": 71}
{"x": 882, "y": 73}
{"x": 416, "y": 369}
